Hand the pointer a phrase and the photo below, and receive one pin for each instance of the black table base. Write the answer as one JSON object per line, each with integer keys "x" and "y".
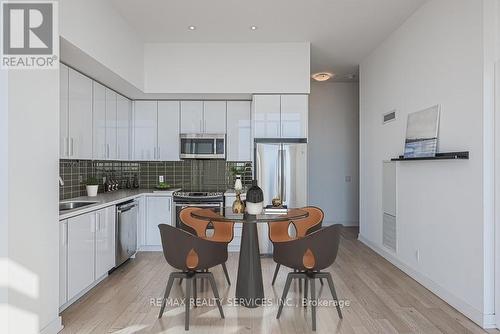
{"x": 249, "y": 286}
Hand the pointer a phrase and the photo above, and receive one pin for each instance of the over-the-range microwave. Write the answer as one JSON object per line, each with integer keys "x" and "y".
{"x": 202, "y": 146}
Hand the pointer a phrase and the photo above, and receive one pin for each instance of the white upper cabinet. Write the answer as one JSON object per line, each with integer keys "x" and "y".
{"x": 80, "y": 116}
{"x": 191, "y": 116}
{"x": 99, "y": 128}
{"x": 145, "y": 130}
{"x": 104, "y": 241}
{"x": 64, "y": 111}
{"x": 239, "y": 136}
{"x": 110, "y": 124}
{"x": 168, "y": 130}
{"x": 123, "y": 114}
{"x": 266, "y": 116}
{"x": 280, "y": 116}
{"x": 214, "y": 116}
{"x": 294, "y": 114}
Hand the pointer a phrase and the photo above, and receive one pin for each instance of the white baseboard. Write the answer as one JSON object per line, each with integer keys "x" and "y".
{"x": 462, "y": 306}
{"x": 55, "y": 326}
{"x": 151, "y": 249}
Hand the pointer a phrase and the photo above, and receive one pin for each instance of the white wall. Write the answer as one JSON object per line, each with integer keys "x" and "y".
{"x": 227, "y": 68}
{"x": 31, "y": 164}
{"x": 435, "y": 57}
{"x": 333, "y": 151}
{"x": 95, "y": 27}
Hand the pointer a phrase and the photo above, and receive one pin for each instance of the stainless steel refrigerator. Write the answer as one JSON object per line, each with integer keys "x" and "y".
{"x": 281, "y": 172}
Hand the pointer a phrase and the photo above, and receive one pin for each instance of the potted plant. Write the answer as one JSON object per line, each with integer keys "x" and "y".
{"x": 92, "y": 185}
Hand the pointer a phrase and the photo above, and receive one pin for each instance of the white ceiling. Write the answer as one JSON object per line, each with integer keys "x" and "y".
{"x": 341, "y": 32}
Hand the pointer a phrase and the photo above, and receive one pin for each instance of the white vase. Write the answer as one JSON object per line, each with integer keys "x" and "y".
{"x": 238, "y": 186}
{"x": 254, "y": 208}
{"x": 92, "y": 191}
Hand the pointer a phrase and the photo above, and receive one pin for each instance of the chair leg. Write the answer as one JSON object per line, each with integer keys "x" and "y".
{"x": 216, "y": 294}
{"x": 313, "y": 302}
{"x": 285, "y": 293}
{"x": 188, "y": 303}
{"x": 226, "y": 273}
{"x": 276, "y": 273}
{"x": 321, "y": 281}
{"x": 334, "y": 294}
{"x": 195, "y": 293}
{"x": 180, "y": 281}
{"x": 165, "y": 296}
{"x": 305, "y": 292}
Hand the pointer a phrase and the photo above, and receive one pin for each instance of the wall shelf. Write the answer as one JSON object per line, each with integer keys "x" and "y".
{"x": 439, "y": 156}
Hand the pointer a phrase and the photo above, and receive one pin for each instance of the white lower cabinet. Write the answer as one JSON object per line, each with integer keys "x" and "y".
{"x": 105, "y": 241}
{"x": 86, "y": 252}
{"x": 81, "y": 236}
{"x": 63, "y": 262}
{"x": 158, "y": 211}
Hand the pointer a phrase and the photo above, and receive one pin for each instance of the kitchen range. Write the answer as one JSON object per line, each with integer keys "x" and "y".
{"x": 184, "y": 199}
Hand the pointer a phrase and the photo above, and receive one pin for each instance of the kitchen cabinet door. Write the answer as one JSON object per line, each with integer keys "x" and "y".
{"x": 111, "y": 152}
{"x": 80, "y": 116}
{"x": 239, "y": 136}
{"x": 99, "y": 121}
{"x": 105, "y": 241}
{"x": 168, "y": 130}
{"x": 191, "y": 116}
{"x": 145, "y": 130}
{"x": 158, "y": 211}
{"x": 63, "y": 111}
{"x": 123, "y": 113}
{"x": 266, "y": 116}
{"x": 81, "y": 233}
{"x": 63, "y": 262}
{"x": 214, "y": 117}
{"x": 294, "y": 116}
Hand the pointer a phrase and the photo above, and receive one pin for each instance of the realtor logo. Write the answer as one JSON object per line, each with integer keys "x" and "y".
{"x": 29, "y": 35}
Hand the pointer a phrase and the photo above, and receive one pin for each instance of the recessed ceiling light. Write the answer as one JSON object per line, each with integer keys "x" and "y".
{"x": 253, "y": 28}
{"x": 350, "y": 76}
{"x": 192, "y": 27}
{"x": 322, "y": 76}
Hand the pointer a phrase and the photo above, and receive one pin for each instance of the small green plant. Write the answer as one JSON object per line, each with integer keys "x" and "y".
{"x": 235, "y": 170}
{"x": 92, "y": 181}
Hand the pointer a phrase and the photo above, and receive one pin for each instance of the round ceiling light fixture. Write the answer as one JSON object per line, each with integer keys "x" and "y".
{"x": 253, "y": 27}
{"x": 192, "y": 27}
{"x": 322, "y": 76}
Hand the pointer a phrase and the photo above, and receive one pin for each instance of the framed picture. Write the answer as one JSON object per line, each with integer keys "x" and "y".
{"x": 422, "y": 133}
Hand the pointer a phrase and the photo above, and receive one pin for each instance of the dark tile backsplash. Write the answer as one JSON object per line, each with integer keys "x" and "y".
{"x": 190, "y": 175}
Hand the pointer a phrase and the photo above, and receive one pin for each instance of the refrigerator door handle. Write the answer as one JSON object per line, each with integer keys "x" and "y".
{"x": 283, "y": 153}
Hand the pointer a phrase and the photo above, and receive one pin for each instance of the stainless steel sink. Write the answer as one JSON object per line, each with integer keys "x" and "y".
{"x": 70, "y": 205}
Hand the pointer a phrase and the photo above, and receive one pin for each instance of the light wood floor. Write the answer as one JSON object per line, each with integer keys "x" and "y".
{"x": 382, "y": 300}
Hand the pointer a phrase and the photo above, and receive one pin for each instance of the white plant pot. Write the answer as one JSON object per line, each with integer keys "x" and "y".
{"x": 254, "y": 208}
{"x": 92, "y": 191}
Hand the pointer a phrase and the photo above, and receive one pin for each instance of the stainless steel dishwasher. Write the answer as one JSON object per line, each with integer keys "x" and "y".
{"x": 126, "y": 231}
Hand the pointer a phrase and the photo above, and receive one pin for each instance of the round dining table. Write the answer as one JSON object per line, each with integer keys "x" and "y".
{"x": 249, "y": 286}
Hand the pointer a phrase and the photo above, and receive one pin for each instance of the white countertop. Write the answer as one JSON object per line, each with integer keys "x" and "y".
{"x": 110, "y": 198}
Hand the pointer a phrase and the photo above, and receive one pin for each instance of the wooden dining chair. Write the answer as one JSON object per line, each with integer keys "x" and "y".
{"x": 308, "y": 256}
{"x": 223, "y": 231}
{"x": 193, "y": 256}
{"x": 278, "y": 231}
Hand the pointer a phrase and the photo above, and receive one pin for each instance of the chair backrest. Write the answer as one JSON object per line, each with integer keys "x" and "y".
{"x": 313, "y": 252}
{"x": 311, "y": 223}
{"x": 278, "y": 231}
{"x": 223, "y": 231}
{"x": 195, "y": 226}
{"x": 188, "y": 252}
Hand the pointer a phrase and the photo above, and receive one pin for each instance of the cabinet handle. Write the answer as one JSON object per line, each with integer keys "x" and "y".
{"x": 107, "y": 151}
{"x": 159, "y": 153}
{"x": 118, "y": 151}
{"x": 154, "y": 153}
{"x": 98, "y": 221}
{"x": 71, "y": 147}
{"x": 169, "y": 205}
{"x": 201, "y": 125}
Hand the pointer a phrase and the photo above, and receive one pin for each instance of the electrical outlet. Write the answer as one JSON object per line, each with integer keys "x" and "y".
{"x": 417, "y": 255}
{"x": 348, "y": 178}
{"x": 161, "y": 178}
{"x": 80, "y": 178}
